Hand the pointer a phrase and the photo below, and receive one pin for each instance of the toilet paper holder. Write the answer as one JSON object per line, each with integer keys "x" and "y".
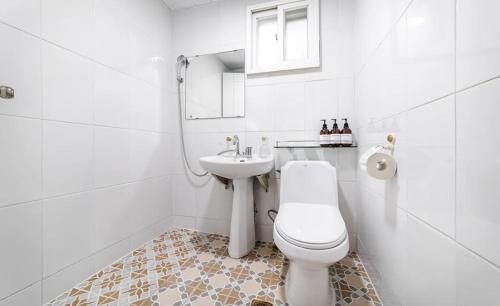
{"x": 379, "y": 161}
{"x": 391, "y": 140}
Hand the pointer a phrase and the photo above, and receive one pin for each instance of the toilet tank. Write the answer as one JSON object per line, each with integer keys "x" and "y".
{"x": 309, "y": 182}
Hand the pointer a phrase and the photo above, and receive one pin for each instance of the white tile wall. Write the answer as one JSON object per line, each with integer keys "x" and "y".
{"x": 112, "y": 156}
{"x": 20, "y": 234}
{"x": 428, "y": 232}
{"x": 373, "y": 22}
{"x": 183, "y": 200}
{"x": 214, "y": 201}
{"x": 21, "y": 155}
{"x": 112, "y": 36}
{"x": 430, "y": 27}
{"x": 322, "y": 102}
{"x": 259, "y": 108}
{"x": 22, "y": 14}
{"x": 68, "y": 231}
{"x": 147, "y": 155}
{"x": 114, "y": 221}
{"x": 207, "y": 225}
{"x": 289, "y": 106}
{"x": 381, "y": 237}
{"x": 478, "y": 46}
{"x": 67, "y": 85}
{"x": 286, "y": 106}
{"x": 478, "y": 214}
{"x": 112, "y": 102}
{"x": 473, "y": 274}
{"x": 69, "y": 24}
{"x": 28, "y": 296}
{"x": 86, "y": 138}
{"x": 430, "y": 280}
{"x": 431, "y": 164}
{"x": 54, "y": 284}
{"x": 21, "y": 69}
{"x": 147, "y": 107}
{"x": 68, "y": 161}
{"x": 150, "y": 202}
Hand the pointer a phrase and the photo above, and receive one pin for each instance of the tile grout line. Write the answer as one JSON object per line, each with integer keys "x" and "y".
{"x": 42, "y": 203}
{"x": 90, "y": 124}
{"x": 456, "y": 126}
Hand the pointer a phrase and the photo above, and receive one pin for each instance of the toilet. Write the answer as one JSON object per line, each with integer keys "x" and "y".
{"x": 310, "y": 231}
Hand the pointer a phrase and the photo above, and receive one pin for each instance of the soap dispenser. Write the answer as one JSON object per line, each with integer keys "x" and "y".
{"x": 346, "y": 135}
{"x": 335, "y": 135}
{"x": 324, "y": 135}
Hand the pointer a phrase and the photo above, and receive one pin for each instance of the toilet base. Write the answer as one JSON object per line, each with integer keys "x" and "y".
{"x": 308, "y": 284}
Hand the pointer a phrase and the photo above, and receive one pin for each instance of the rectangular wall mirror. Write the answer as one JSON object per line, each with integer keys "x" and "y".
{"x": 214, "y": 85}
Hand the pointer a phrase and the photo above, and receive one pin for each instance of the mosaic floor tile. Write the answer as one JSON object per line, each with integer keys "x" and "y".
{"x": 184, "y": 267}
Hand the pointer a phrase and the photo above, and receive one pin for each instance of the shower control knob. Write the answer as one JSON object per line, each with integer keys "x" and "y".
{"x": 6, "y": 92}
{"x": 248, "y": 151}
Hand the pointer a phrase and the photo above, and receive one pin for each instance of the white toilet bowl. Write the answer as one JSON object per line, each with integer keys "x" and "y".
{"x": 309, "y": 231}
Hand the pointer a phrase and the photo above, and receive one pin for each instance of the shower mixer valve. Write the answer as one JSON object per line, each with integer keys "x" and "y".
{"x": 7, "y": 92}
{"x": 248, "y": 152}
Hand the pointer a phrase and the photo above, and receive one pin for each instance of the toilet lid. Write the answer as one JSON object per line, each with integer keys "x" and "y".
{"x": 312, "y": 226}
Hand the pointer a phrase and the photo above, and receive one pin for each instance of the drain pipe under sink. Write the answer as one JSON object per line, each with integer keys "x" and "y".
{"x": 272, "y": 212}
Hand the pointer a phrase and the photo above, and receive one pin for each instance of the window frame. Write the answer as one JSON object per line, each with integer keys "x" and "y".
{"x": 279, "y": 8}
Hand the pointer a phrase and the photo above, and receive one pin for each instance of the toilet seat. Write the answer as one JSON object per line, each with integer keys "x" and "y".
{"x": 311, "y": 226}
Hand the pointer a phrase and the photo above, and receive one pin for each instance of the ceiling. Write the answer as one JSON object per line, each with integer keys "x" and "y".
{"x": 183, "y": 4}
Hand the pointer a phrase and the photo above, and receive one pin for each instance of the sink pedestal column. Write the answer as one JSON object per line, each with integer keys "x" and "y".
{"x": 242, "y": 236}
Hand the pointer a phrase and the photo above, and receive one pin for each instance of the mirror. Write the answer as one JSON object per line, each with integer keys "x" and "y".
{"x": 215, "y": 85}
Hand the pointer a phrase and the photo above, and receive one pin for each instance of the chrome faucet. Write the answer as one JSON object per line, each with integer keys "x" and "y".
{"x": 238, "y": 153}
{"x": 236, "y": 142}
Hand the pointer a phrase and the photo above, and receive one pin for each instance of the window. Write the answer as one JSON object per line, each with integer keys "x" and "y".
{"x": 283, "y": 35}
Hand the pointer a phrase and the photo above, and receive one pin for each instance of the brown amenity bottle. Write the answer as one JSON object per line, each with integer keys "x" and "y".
{"x": 346, "y": 136}
{"x": 324, "y": 135}
{"x": 335, "y": 135}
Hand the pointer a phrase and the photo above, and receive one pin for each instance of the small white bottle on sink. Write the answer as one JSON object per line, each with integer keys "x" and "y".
{"x": 265, "y": 149}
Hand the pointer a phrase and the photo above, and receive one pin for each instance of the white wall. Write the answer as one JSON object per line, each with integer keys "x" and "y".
{"x": 428, "y": 72}
{"x": 84, "y": 145}
{"x": 279, "y": 106}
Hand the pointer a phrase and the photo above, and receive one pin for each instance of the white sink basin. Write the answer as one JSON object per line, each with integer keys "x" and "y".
{"x": 241, "y": 171}
{"x": 236, "y": 168}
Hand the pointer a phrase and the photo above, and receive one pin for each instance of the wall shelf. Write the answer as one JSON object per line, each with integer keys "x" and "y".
{"x": 305, "y": 144}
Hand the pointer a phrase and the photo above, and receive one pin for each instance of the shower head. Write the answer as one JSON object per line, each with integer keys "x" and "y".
{"x": 181, "y": 61}
{"x": 181, "y": 58}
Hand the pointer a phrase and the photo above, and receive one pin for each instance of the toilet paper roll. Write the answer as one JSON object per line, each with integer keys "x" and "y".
{"x": 363, "y": 161}
{"x": 379, "y": 163}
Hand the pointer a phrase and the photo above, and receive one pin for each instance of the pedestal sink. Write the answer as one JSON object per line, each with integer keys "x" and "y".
{"x": 241, "y": 170}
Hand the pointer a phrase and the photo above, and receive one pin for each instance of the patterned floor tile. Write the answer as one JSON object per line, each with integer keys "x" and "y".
{"x": 184, "y": 267}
